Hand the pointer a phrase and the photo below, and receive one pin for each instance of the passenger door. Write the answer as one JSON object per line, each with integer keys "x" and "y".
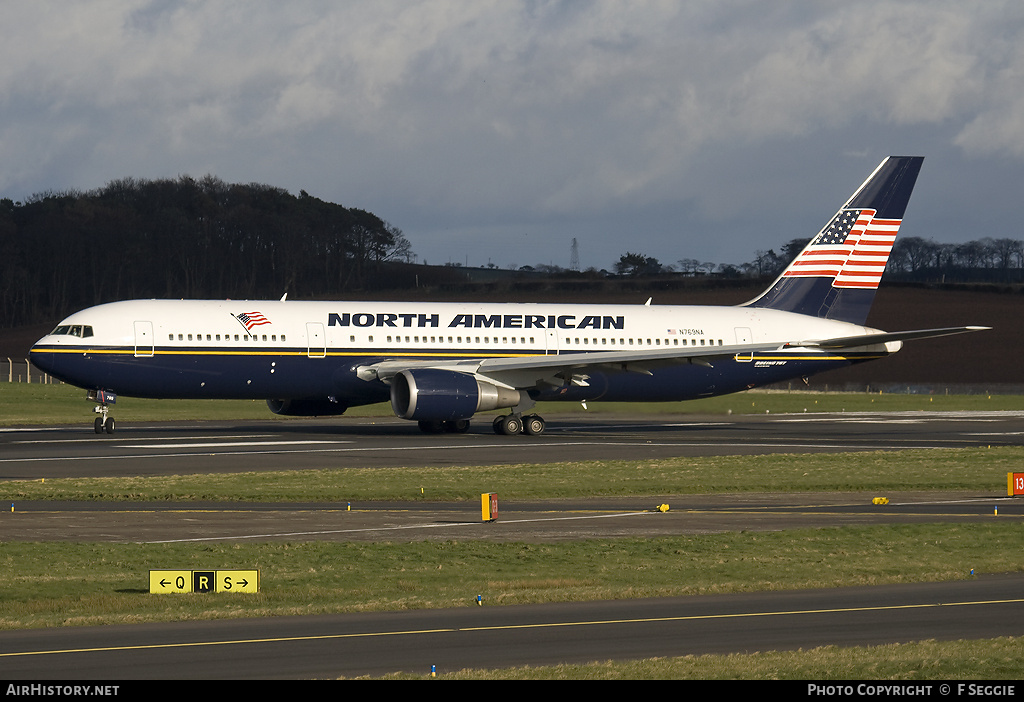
{"x": 143, "y": 339}
{"x": 315, "y": 340}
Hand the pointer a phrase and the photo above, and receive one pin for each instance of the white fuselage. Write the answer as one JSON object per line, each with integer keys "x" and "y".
{"x": 296, "y": 349}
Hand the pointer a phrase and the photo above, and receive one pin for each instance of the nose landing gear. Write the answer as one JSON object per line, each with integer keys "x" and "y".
{"x": 103, "y": 423}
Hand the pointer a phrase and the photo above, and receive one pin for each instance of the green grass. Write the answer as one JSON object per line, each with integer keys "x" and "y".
{"x": 982, "y": 469}
{"x": 67, "y": 584}
{"x": 985, "y": 659}
{"x": 24, "y": 404}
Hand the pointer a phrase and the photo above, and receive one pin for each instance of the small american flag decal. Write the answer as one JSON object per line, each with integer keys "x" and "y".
{"x": 252, "y": 319}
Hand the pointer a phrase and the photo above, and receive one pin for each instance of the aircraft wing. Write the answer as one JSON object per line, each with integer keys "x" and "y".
{"x": 525, "y": 371}
{"x": 573, "y": 361}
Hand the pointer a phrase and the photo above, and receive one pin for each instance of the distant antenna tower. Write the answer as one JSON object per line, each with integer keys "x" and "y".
{"x": 574, "y": 256}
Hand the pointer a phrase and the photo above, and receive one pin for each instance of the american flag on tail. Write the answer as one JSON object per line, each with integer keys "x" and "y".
{"x": 852, "y": 250}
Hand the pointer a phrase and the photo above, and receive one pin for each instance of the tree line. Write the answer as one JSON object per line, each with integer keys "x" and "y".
{"x": 982, "y": 260}
{"x": 766, "y": 264}
{"x": 912, "y": 259}
{"x": 205, "y": 238}
{"x": 182, "y": 238}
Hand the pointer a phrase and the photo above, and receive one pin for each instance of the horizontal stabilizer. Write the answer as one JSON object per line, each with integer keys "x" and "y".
{"x": 848, "y": 342}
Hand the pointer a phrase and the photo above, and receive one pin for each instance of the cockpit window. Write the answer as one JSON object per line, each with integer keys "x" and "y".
{"x": 80, "y": 330}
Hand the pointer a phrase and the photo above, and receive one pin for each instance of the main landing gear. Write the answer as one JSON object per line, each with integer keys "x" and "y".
{"x": 518, "y": 423}
{"x": 512, "y": 424}
{"x": 507, "y": 425}
{"x": 103, "y": 423}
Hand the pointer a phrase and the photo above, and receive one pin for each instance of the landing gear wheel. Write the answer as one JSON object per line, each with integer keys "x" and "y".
{"x": 103, "y": 424}
{"x": 431, "y": 427}
{"x": 509, "y": 425}
{"x": 533, "y": 425}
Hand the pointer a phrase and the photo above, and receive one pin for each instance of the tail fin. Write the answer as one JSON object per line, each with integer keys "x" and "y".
{"x": 837, "y": 273}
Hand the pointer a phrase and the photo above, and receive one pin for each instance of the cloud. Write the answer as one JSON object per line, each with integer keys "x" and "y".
{"x": 455, "y": 115}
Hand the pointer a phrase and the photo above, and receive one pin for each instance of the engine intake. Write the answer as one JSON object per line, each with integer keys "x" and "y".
{"x": 432, "y": 394}
{"x": 307, "y": 407}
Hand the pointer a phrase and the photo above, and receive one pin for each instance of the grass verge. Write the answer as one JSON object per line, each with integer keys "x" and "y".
{"x": 985, "y": 659}
{"x": 982, "y": 469}
{"x": 101, "y": 583}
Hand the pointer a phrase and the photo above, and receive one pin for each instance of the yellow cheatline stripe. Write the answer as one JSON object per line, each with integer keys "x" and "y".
{"x": 507, "y": 627}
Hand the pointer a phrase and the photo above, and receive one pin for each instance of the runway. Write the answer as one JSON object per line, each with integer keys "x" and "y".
{"x": 373, "y": 644}
{"x": 210, "y": 447}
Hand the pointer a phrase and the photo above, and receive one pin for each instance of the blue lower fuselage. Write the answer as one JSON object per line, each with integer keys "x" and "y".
{"x": 293, "y": 374}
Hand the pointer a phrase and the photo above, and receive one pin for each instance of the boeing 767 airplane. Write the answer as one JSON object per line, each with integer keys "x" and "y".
{"x": 441, "y": 363}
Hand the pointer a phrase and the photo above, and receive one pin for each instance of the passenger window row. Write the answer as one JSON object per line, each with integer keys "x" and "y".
{"x": 226, "y": 337}
{"x": 610, "y": 341}
{"x": 85, "y": 331}
{"x": 567, "y": 341}
{"x": 452, "y": 340}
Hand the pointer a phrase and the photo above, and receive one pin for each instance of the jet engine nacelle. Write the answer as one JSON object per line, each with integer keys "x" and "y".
{"x": 307, "y": 407}
{"x": 432, "y": 394}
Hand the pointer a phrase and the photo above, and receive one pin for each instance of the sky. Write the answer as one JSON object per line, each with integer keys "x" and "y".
{"x": 496, "y": 131}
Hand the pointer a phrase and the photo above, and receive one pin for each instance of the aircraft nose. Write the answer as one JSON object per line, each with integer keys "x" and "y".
{"x": 42, "y": 358}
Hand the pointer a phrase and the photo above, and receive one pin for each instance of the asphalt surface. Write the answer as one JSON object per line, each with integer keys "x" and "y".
{"x": 479, "y": 637}
{"x": 372, "y": 644}
{"x": 202, "y": 447}
{"x": 547, "y": 521}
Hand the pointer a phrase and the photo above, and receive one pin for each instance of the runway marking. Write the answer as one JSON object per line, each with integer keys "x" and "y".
{"x": 985, "y": 500}
{"x": 852, "y": 446}
{"x": 125, "y": 440}
{"x": 211, "y": 444}
{"x": 508, "y": 627}
{"x": 744, "y": 615}
{"x": 425, "y": 525}
{"x": 659, "y": 425}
